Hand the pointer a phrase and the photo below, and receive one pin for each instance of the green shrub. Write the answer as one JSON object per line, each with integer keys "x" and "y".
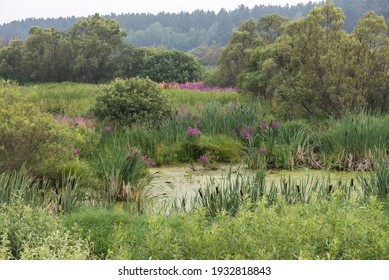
{"x": 221, "y": 148}
{"x": 130, "y": 101}
{"x": 35, "y": 139}
{"x": 172, "y": 66}
{"x": 333, "y": 229}
{"x": 32, "y": 233}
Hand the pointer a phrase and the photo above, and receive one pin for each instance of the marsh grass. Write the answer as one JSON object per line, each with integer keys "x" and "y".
{"x": 350, "y": 142}
{"x": 376, "y": 183}
{"x": 63, "y": 195}
{"x": 235, "y": 190}
{"x": 189, "y": 98}
{"x": 70, "y": 99}
{"x": 231, "y": 193}
{"x": 123, "y": 173}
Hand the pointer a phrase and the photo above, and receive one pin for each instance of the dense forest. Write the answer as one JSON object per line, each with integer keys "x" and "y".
{"x": 186, "y": 31}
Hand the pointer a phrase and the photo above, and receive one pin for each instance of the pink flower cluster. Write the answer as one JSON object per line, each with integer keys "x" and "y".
{"x": 204, "y": 159}
{"x": 148, "y": 161}
{"x": 192, "y": 132}
{"x": 271, "y": 125}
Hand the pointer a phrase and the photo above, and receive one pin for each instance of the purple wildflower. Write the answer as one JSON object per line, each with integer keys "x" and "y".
{"x": 246, "y": 132}
{"x": 148, "y": 161}
{"x": 192, "y": 132}
{"x": 76, "y": 151}
{"x": 203, "y": 158}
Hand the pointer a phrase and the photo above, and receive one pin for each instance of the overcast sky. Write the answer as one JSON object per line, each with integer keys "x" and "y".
{"x": 20, "y": 9}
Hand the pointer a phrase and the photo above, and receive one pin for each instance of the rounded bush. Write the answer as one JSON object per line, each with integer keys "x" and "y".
{"x": 172, "y": 66}
{"x": 129, "y": 101}
{"x": 34, "y": 139}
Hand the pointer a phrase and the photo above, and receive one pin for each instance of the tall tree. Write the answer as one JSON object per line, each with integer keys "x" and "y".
{"x": 96, "y": 44}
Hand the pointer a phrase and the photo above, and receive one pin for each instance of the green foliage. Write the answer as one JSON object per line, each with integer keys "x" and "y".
{"x": 61, "y": 195}
{"x": 315, "y": 69}
{"x": 100, "y": 226}
{"x": 329, "y": 230}
{"x": 30, "y": 137}
{"x": 128, "y": 101}
{"x": 250, "y": 34}
{"x": 34, "y": 234}
{"x": 122, "y": 172}
{"x": 221, "y": 148}
{"x": 171, "y": 66}
{"x": 95, "y": 44}
{"x": 352, "y": 141}
{"x": 230, "y": 195}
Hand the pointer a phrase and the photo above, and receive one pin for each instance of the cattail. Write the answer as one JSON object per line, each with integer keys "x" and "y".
{"x": 201, "y": 194}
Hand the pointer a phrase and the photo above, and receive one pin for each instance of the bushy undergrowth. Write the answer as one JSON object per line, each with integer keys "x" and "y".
{"x": 33, "y": 234}
{"x": 333, "y": 229}
{"x": 30, "y": 137}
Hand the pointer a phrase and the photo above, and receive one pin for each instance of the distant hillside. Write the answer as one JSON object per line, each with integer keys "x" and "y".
{"x": 186, "y": 31}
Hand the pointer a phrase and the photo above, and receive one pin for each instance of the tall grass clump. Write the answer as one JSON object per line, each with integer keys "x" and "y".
{"x": 100, "y": 226}
{"x": 216, "y": 118}
{"x": 230, "y": 194}
{"x": 62, "y": 195}
{"x": 273, "y": 144}
{"x": 349, "y": 143}
{"x": 377, "y": 181}
{"x": 122, "y": 171}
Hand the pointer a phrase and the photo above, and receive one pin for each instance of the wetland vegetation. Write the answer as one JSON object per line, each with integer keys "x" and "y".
{"x": 272, "y": 167}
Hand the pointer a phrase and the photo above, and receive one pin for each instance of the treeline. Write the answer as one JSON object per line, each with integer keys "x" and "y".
{"x": 310, "y": 67}
{"x": 186, "y": 31}
{"x": 92, "y": 50}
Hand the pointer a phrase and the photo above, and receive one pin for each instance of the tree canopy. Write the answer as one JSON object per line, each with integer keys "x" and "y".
{"x": 314, "y": 68}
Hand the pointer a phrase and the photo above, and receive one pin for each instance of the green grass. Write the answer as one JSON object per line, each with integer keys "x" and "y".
{"x": 353, "y": 142}
{"x": 189, "y": 98}
{"x": 333, "y": 229}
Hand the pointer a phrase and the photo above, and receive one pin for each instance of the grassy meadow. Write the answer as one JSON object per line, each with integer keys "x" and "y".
{"x": 83, "y": 187}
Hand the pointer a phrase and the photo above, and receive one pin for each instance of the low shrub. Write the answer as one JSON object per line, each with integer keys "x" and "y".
{"x": 333, "y": 229}
{"x": 33, "y": 234}
{"x": 35, "y": 139}
{"x": 130, "y": 101}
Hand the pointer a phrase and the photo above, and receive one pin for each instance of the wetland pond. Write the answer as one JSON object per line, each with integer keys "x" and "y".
{"x": 184, "y": 180}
